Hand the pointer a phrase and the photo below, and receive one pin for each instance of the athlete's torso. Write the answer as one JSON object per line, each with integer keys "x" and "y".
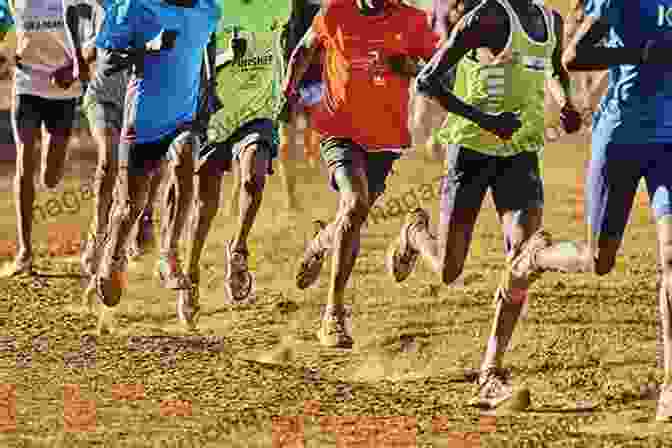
{"x": 637, "y": 107}
{"x": 509, "y": 76}
{"x": 169, "y": 90}
{"x": 364, "y": 100}
{"x": 42, "y": 47}
{"x": 248, "y": 89}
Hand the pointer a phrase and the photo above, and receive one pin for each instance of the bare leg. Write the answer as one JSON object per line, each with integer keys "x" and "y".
{"x": 54, "y": 158}
{"x": 254, "y": 162}
{"x": 206, "y": 205}
{"x": 181, "y": 175}
{"x": 286, "y": 160}
{"x": 28, "y": 142}
{"x": 107, "y": 140}
{"x": 460, "y": 207}
{"x": 234, "y": 205}
{"x": 518, "y": 227}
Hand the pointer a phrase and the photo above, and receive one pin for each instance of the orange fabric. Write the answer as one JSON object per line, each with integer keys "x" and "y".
{"x": 364, "y": 100}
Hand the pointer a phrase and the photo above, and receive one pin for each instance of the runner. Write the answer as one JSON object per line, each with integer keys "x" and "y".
{"x": 364, "y": 120}
{"x": 155, "y": 129}
{"x": 506, "y": 50}
{"x": 311, "y": 90}
{"x": 243, "y": 135}
{"x": 45, "y": 92}
{"x": 104, "y": 106}
{"x": 631, "y": 140}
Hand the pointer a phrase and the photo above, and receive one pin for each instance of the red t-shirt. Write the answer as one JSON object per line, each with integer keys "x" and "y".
{"x": 364, "y": 100}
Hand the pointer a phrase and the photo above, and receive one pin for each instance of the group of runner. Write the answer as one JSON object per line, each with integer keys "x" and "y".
{"x": 349, "y": 65}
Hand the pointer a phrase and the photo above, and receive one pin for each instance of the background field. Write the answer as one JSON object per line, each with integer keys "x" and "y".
{"x": 585, "y": 339}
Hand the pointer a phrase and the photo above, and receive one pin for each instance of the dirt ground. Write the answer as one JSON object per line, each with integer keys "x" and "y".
{"x": 587, "y": 343}
{"x": 585, "y": 339}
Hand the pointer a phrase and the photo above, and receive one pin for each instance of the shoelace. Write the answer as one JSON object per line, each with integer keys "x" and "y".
{"x": 500, "y": 377}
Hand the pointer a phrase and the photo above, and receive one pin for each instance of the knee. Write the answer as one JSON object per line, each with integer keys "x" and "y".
{"x": 355, "y": 211}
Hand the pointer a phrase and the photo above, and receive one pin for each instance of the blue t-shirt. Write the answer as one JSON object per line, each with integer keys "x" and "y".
{"x": 168, "y": 93}
{"x": 6, "y": 21}
{"x": 637, "y": 107}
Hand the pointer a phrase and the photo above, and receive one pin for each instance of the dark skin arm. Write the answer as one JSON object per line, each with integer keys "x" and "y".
{"x": 471, "y": 33}
{"x": 302, "y": 57}
{"x": 64, "y": 77}
{"x": 559, "y": 83}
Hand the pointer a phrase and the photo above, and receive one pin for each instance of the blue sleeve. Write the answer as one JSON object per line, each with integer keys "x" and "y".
{"x": 119, "y": 25}
{"x": 598, "y": 9}
{"x": 6, "y": 21}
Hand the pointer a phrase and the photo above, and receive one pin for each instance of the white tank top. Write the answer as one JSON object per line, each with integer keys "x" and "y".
{"x": 42, "y": 47}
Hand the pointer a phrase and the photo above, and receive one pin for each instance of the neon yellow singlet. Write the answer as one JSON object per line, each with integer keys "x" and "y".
{"x": 514, "y": 81}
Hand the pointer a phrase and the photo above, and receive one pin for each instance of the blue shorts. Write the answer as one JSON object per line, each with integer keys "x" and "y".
{"x": 614, "y": 173}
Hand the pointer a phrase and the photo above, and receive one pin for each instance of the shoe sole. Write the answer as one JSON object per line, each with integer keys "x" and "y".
{"x": 399, "y": 276}
{"x": 305, "y": 278}
{"x": 189, "y": 320}
{"x": 243, "y": 298}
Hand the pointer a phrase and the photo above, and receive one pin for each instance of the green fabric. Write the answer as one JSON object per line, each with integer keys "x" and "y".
{"x": 518, "y": 86}
{"x": 248, "y": 89}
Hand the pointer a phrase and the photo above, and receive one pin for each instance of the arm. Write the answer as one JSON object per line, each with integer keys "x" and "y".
{"x": 559, "y": 83}
{"x": 85, "y": 56}
{"x": 433, "y": 80}
{"x": 300, "y": 61}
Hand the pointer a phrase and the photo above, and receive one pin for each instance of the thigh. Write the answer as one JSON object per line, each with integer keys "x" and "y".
{"x": 59, "y": 117}
{"x": 263, "y": 135}
{"x": 345, "y": 160}
{"x": 106, "y": 120}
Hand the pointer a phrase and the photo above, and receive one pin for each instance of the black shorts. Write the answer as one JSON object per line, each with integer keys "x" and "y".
{"x": 144, "y": 158}
{"x": 515, "y": 181}
{"x": 219, "y": 156}
{"x": 30, "y": 112}
{"x": 339, "y": 152}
